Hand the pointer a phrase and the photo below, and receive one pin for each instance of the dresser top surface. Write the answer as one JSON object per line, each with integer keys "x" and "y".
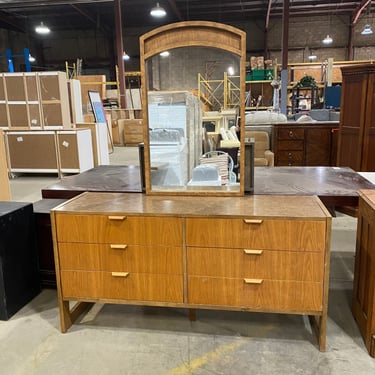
{"x": 141, "y": 204}
{"x": 368, "y": 195}
{"x": 7, "y": 207}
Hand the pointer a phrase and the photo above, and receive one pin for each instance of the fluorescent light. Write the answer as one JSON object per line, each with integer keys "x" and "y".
{"x": 367, "y": 30}
{"x": 32, "y": 58}
{"x": 164, "y": 54}
{"x": 327, "y": 40}
{"x": 312, "y": 56}
{"x": 42, "y": 29}
{"x": 158, "y": 11}
{"x": 125, "y": 56}
{"x": 231, "y": 70}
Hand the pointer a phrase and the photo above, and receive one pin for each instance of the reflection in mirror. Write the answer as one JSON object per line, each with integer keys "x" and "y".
{"x": 193, "y": 102}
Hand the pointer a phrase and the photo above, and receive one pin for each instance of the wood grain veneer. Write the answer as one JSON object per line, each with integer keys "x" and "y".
{"x": 254, "y": 253}
{"x": 129, "y": 230}
{"x": 269, "y": 294}
{"x": 277, "y": 265}
{"x": 269, "y": 234}
{"x": 363, "y": 303}
{"x": 134, "y": 286}
{"x": 108, "y": 257}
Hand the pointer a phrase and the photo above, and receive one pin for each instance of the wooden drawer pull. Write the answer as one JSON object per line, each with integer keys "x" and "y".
{"x": 120, "y": 274}
{"x": 252, "y": 221}
{"x": 253, "y": 252}
{"x": 120, "y": 218}
{"x": 118, "y": 247}
{"x": 253, "y": 281}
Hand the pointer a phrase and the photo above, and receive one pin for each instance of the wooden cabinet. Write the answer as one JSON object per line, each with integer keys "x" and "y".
{"x": 309, "y": 144}
{"x": 258, "y": 253}
{"x": 363, "y": 305}
{"x": 19, "y": 274}
{"x": 34, "y": 101}
{"x": 356, "y": 144}
{"x": 63, "y": 151}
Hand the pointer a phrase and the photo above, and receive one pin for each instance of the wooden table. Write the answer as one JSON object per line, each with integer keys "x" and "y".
{"x": 333, "y": 185}
{"x": 108, "y": 178}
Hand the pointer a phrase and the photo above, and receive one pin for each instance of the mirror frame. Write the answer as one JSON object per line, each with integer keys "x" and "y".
{"x": 188, "y": 34}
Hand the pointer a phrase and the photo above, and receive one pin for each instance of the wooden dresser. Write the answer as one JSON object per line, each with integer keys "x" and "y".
{"x": 363, "y": 305}
{"x": 254, "y": 253}
{"x": 309, "y": 144}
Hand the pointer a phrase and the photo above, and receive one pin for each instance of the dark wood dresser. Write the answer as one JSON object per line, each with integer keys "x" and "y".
{"x": 304, "y": 144}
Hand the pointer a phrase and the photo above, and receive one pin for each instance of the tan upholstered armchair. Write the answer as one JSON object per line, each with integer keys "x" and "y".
{"x": 263, "y": 156}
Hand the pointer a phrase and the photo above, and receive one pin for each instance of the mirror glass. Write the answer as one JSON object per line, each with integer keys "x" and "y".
{"x": 193, "y": 107}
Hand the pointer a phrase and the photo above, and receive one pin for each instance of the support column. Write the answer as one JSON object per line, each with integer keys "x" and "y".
{"x": 120, "y": 51}
{"x": 284, "y": 62}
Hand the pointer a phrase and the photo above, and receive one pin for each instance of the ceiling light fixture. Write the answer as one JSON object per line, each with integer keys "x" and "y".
{"x": 327, "y": 40}
{"x": 32, "y": 58}
{"x": 312, "y": 56}
{"x": 231, "y": 70}
{"x": 42, "y": 29}
{"x": 158, "y": 11}
{"x": 367, "y": 30}
{"x": 164, "y": 54}
{"x": 125, "y": 56}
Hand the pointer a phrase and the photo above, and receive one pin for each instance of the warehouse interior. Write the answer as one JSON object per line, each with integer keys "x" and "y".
{"x": 108, "y": 123}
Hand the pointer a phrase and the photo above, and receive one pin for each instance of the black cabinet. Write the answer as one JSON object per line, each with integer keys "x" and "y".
{"x": 19, "y": 274}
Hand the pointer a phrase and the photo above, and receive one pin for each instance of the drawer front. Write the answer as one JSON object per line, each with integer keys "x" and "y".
{"x": 268, "y": 234}
{"x": 290, "y": 146}
{"x": 255, "y": 264}
{"x": 121, "y": 257}
{"x": 119, "y": 229}
{"x": 142, "y": 287}
{"x": 291, "y": 134}
{"x": 269, "y": 294}
{"x": 290, "y": 156}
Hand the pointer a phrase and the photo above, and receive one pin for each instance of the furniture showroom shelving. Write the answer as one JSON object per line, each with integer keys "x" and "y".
{"x": 34, "y": 101}
{"x": 53, "y": 151}
{"x": 199, "y": 252}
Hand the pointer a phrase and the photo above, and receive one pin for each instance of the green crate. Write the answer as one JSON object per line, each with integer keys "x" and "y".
{"x": 259, "y": 75}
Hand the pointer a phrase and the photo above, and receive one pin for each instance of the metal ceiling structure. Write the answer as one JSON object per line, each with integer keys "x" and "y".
{"x": 76, "y": 15}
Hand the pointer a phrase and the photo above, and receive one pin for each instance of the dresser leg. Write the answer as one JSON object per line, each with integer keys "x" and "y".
{"x": 319, "y": 327}
{"x": 192, "y": 315}
{"x": 69, "y": 316}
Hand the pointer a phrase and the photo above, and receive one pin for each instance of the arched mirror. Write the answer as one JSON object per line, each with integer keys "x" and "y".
{"x": 193, "y": 96}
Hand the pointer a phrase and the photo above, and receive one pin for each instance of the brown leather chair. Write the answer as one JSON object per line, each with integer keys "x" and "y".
{"x": 263, "y": 156}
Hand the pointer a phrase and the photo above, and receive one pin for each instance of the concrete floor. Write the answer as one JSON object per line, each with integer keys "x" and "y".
{"x": 128, "y": 340}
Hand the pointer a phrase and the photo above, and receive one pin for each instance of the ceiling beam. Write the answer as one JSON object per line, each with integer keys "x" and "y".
{"x": 173, "y": 5}
{"x": 34, "y": 3}
{"x": 92, "y": 18}
{"x": 359, "y": 10}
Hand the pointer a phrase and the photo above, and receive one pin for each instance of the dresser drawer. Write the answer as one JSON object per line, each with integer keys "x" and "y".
{"x": 290, "y": 156}
{"x": 289, "y": 163}
{"x": 255, "y": 264}
{"x": 269, "y": 294}
{"x": 135, "y": 286}
{"x": 132, "y": 230}
{"x": 121, "y": 257}
{"x": 291, "y": 134}
{"x": 290, "y": 145}
{"x": 249, "y": 234}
